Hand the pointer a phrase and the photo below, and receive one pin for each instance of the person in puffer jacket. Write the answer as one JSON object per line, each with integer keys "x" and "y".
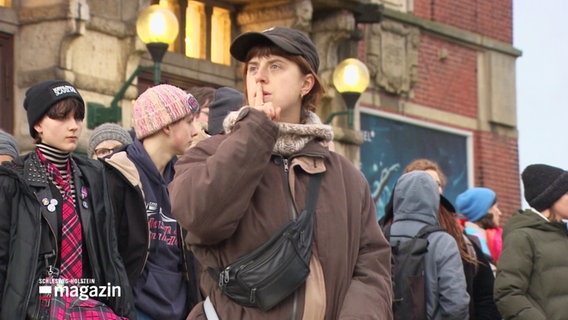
{"x": 533, "y": 264}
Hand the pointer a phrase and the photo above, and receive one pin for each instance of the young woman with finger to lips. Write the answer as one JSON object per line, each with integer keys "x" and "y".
{"x": 232, "y": 192}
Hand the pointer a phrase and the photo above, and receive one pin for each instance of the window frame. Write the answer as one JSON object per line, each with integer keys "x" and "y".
{"x": 209, "y": 5}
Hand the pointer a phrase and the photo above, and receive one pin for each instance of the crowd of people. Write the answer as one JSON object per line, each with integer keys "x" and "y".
{"x": 172, "y": 211}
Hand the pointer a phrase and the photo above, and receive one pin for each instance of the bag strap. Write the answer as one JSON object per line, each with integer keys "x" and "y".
{"x": 311, "y": 202}
{"x": 313, "y": 192}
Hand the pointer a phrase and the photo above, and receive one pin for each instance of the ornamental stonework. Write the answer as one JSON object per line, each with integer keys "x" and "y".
{"x": 328, "y": 33}
{"x": 392, "y": 56}
{"x": 266, "y": 14}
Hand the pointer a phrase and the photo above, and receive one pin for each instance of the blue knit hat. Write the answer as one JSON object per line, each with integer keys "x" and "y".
{"x": 475, "y": 203}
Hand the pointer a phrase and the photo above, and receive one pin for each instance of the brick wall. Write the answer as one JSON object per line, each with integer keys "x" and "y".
{"x": 496, "y": 166}
{"x": 449, "y": 84}
{"x": 491, "y": 18}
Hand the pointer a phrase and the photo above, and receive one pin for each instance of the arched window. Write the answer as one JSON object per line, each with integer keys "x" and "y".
{"x": 205, "y": 29}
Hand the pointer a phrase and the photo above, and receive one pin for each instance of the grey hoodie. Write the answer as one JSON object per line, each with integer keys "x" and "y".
{"x": 416, "y": 201}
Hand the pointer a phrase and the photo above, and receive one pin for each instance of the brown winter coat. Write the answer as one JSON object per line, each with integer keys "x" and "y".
{"x": 229, "y": 193}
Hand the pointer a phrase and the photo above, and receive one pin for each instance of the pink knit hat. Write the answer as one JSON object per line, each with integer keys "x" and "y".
{"x": 159, "y": 106}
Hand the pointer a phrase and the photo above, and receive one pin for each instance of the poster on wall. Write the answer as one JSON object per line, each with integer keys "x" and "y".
{"x": 391, "y": 142}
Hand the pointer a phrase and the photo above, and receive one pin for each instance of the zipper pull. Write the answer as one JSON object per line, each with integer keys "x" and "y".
{"x": 52, "y": 272}
{"x": 285, "y": 162}
{"x": 227, "y": 275}
{"x": 224, "y": 277}
{"x": 221, "y": 276}
{"x": 252, "y": 295}
{"x": 48, "y": 256}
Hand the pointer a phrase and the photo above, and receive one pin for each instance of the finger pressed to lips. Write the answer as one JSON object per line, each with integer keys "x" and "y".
{"x": 258, "y": 99}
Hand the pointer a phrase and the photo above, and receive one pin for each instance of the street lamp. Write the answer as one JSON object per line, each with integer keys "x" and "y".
{"x": 350, "y": 78}
{"x": 157, "y": 27}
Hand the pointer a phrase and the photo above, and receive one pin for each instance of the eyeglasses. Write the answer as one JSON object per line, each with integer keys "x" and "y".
{"x": 103, "y": 152}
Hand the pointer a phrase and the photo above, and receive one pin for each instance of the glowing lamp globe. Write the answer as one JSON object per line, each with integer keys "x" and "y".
{"x": 157, "y": 24}
{"x": 351, "y": 75}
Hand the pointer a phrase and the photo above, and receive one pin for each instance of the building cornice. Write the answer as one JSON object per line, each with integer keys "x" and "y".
{"x": 453, "y": 33}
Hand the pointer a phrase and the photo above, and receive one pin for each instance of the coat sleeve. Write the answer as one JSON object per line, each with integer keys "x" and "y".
{"x": 125, "y": 303}
{"x": 5, "y": 221}
{"x": 216, "y": 180}
{"x": 453, "y": 296}
{"x": 513, "y": 276}
{"x": 370, "y": 293}
{"x": 109, "y": 265}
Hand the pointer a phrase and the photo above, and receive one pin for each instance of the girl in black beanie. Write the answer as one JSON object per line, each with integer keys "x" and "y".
{"x": 56, "y": 224}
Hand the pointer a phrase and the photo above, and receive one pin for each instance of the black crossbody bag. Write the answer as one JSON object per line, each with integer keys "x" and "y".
{"x": 273, "y": 271}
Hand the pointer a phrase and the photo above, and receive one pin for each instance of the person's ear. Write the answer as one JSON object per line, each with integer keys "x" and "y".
{"x": 307, "y": 84}
{"x": 38, "y": 129}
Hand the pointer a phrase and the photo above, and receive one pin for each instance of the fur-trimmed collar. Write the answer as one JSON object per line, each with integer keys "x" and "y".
{"x": 292, "y": 137}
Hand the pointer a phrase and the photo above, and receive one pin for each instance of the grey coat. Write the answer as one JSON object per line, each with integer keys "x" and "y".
{"x": 416, "y": 202}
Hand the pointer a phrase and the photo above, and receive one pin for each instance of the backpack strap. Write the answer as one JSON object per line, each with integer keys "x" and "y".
{"x": 423, "y": 233}
{"x": 427, "y": 229}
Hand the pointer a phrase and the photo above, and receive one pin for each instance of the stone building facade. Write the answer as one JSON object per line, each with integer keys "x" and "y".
{"x": 447, "y": 64}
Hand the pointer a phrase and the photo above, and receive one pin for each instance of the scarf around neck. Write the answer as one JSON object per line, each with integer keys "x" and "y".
{"x": 292, "y": 137}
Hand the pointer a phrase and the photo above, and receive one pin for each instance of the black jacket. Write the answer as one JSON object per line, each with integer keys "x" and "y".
{"x": 24, "y": 222}
{"x": 128, "y": 202}
{"x": 480, "y": 282}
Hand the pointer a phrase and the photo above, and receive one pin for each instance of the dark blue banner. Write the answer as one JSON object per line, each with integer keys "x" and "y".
{"x": 390, "y": 145}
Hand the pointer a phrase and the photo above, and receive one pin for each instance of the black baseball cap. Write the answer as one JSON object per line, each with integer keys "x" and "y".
{"x": 290, "y": 40}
